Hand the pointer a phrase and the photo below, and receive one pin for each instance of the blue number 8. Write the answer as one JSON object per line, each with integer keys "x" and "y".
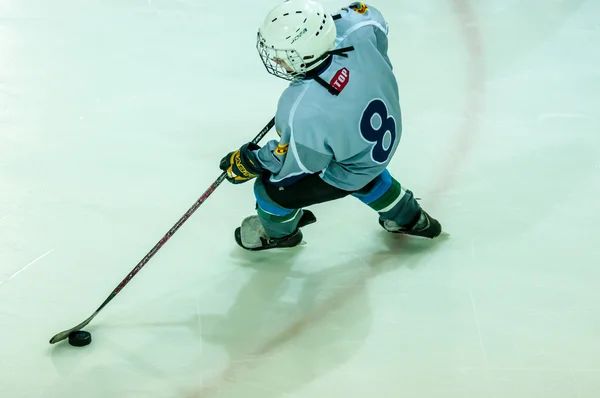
{"x": 380, "y": 152}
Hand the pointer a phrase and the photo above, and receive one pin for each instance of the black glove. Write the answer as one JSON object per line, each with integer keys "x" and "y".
{"x": 241, "y": 165}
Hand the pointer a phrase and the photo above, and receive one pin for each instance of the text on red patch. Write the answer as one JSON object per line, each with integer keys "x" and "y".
{"x": 341, "y": 79}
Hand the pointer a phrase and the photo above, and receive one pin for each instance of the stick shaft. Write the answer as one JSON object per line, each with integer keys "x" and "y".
{"x": 164, "y": 240}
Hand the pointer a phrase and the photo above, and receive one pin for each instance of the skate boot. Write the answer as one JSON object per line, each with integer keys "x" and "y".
{"x": 252, "y": 236}
{"x": 425, "y": 226}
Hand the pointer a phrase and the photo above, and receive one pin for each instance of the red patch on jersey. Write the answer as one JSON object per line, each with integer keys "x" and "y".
{"x": 341, "y": 79}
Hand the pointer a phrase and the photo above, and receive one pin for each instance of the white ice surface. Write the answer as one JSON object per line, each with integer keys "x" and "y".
{"x": 113, "y": 117}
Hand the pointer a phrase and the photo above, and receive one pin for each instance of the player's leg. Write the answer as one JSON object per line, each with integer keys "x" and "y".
{"x": 272, "y": 226}
{"x": 397, "y": 207}
{"x": 281, "y": 214}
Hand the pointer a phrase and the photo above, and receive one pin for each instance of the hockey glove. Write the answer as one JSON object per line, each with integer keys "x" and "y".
{"x": 241, "y": 165}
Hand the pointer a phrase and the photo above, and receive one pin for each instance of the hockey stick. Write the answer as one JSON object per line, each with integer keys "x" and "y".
{"x": 63, "y": 335}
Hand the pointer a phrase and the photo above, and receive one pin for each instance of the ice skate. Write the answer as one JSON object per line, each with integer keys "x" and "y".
{"x": 425, "y": 227}
{"x": 252, "y": 236}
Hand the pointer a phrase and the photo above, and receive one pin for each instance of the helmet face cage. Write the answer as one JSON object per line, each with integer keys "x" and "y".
{"x": 276, "y": 61}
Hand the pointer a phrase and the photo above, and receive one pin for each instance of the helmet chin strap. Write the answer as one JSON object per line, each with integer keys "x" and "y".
{"x": 314, "y": 74}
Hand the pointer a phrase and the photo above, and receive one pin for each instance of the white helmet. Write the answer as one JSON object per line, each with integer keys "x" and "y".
{"x": 295, "y": 38}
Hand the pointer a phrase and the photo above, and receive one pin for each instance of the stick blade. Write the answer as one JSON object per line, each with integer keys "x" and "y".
{"x": 65, "y": 334}
{"x": 61, "y": 336}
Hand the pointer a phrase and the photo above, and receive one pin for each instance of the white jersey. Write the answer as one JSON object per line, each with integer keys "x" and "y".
{"x": 350, "y": 138}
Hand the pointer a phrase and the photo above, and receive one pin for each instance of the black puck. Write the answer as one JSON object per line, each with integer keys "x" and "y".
{"x": 80, "y": 338}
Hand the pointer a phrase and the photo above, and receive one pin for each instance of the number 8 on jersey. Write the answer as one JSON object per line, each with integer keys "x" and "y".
{"x": 375, "y": 131}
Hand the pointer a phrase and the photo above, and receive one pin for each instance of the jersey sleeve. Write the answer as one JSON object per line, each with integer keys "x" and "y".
{"x": 359, "y": 17}
{"x": 370, "y": 13}
{"x": 300, "y": 151}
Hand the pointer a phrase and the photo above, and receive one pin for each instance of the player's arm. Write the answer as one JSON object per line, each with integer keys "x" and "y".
{"x": 299, "y": 152}
{"x": 272, "y": 155}
{"x": 360, "y": 17}
{"x": 368, "y": 13}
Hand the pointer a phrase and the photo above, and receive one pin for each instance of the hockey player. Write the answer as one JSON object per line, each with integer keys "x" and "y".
{"x": 339, "y": 124}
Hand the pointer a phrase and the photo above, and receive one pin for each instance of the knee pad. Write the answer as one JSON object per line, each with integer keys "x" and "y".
{"x": 267, "y": 205}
